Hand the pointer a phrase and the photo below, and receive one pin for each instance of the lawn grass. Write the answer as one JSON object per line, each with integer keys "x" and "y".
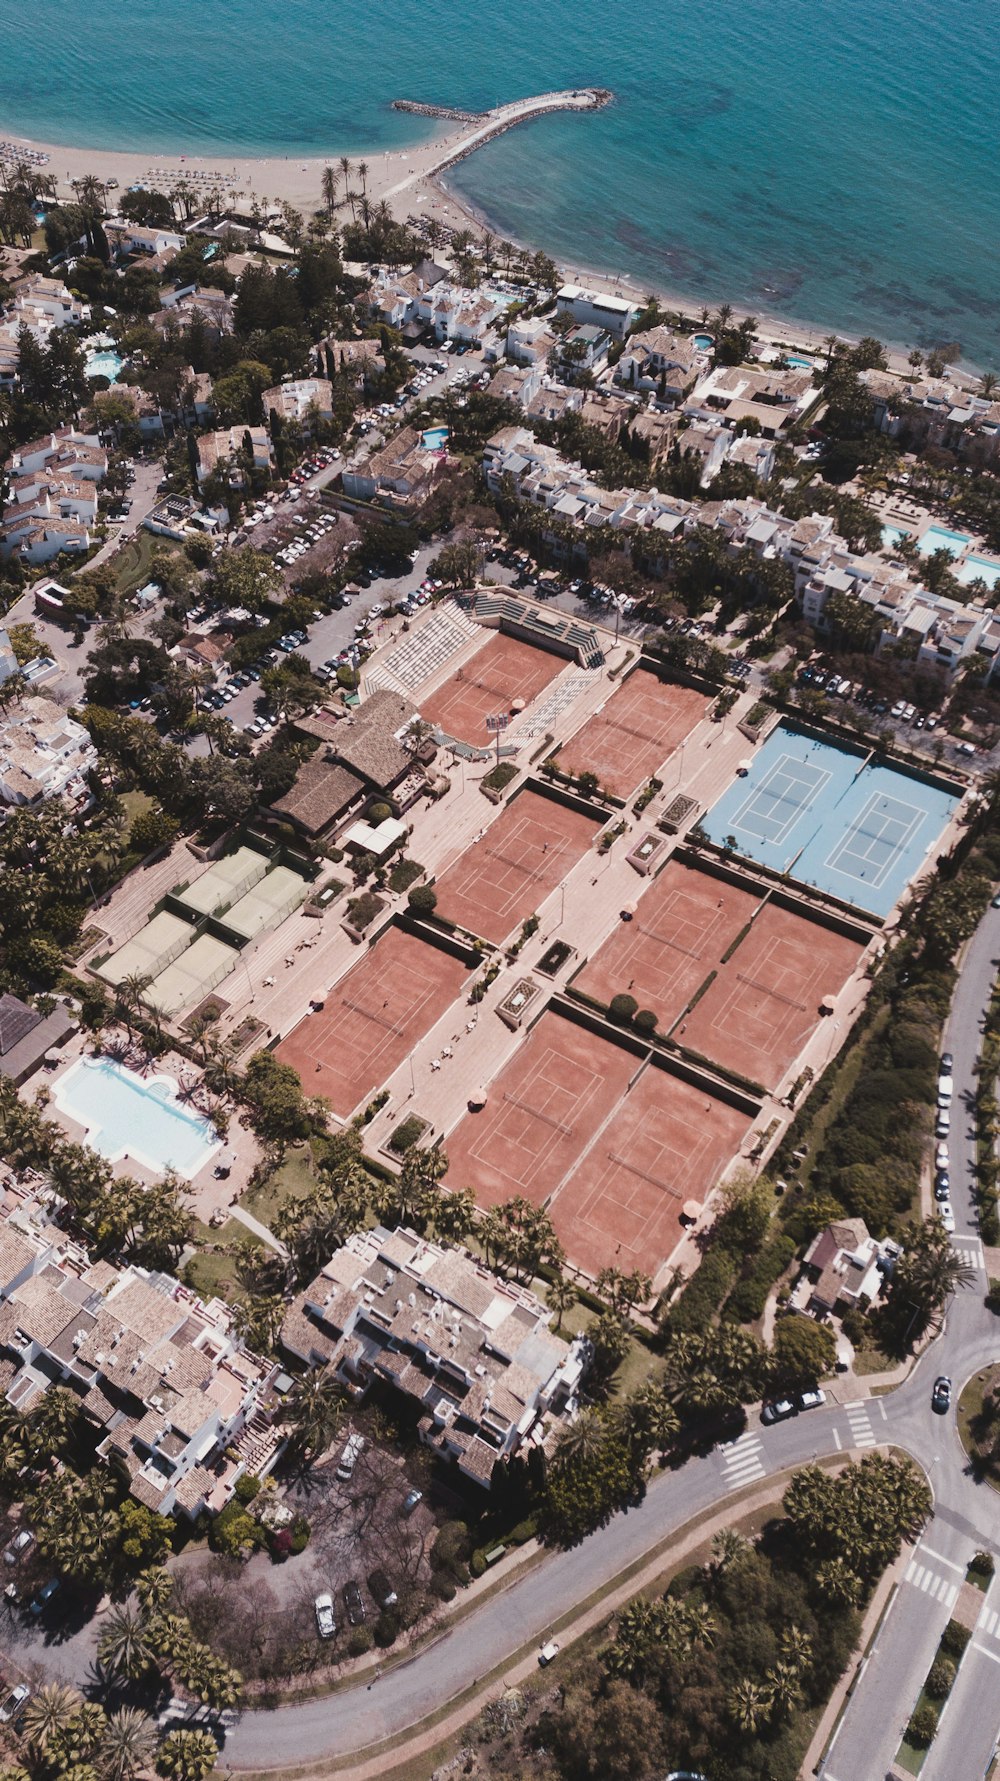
{"x": 846, "y": 1073}
{"x": 134, "y": 562}
{"x": 295, "y": 1177}
{"x": 970, "y": 1405}
{"x": 211, "y": 1273}
{"x": 873, "y": 1360}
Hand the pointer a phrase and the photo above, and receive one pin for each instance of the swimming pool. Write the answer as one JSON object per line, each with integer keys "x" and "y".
{"x": 891, "y": 536}
{"x": 979, "y": 569}
{"x": 939, "y": 538}
{"x": 813, "y": 810}
{"x": 125, "y": 1115}
{"x": 703, "y": 342}
{"x": 796, "y": 359}
{"x": 435, "y": 439}
{"x": 103, "y": 364}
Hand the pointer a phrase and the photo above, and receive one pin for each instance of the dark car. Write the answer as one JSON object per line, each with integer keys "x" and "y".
{"x": 947, "y": 1064}
{"x": 778, "y": 1411}
{"x": 941, "y": 1395}
{"x": 354, "y": 1603}
{"x": 942, "y": 1185}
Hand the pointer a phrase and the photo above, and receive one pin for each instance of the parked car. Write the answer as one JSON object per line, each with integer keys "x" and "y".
{"x": 354, "y": 1603}
{"x": 946, "y": 1215}
{"x": 326, "y": 1624}
{"x": 778, "y": 1411}
{"x": 353, "y": 1450}
{"x": 548, "y": 1652}
{"x": 812, "y": 1400}
{"x": 14, "y": 1702}
{"x": 941, "y": 1395}
{"x": 942, "y": 1185}
{"x": 410, "y": 1501}
{"x": 40, "y": 1601}
{"x": 18, "y": 1546}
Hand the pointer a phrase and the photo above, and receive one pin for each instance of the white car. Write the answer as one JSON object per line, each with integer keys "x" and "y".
{"x": 14, "y": 1702}
{"x": 326, "y": 1624}
{"x": 946, "y": 1215}
{"x": 548, "y": 1652}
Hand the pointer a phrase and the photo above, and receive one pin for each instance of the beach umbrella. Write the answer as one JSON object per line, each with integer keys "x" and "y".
{"x": 479, "y": 1097}
{"x": 828, "y": 1004}
{"x": 691, "y": 1211}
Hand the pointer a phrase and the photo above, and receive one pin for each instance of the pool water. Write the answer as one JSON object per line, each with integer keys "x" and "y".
{"x": 103, "y": 364}
{"x": 796, "y": 359}
{"x": 435, "y": 439}
{"x": 892, "y": 535}
{"x": 939, "y": 538}
{"x": 125, "y": 1115}
{"x": 703, "y": 342}
{"x": 979, "y": 569}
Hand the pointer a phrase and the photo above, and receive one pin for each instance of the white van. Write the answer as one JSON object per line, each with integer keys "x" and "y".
{"x": 350, "y": 1456}
{"x": 945, "y": 1089}
{"x": 943, "y": 1125}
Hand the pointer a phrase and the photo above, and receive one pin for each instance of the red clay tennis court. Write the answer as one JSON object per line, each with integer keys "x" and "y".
{"x": 762, "y": 1007}
{"x": 372, "y": 1019}
{"x": 504, "y": 669}
{"x": 668, "y": 1142}
{"x": 515, "y": 865}
{"x": 543, "y": 1110}
{"x": 683, "y": 924}
{"x": 641, "y": 724}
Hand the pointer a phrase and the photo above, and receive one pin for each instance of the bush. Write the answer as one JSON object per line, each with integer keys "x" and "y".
{"x": 234, "y": 1532}
{"x": 645, "y": 1021}
{"x": 524, "y": 1531}
{"x": 954, "y": 1639}
{"x": 247, "y": 1488}
{"x": 989, "y": 1227}
{"x": 422, "y": 899}
{"x": 621, "y": 1009}
{"x": 983, "y": 1564}
{"x": 704, "y": 1294}
{"x": 803, "y": 1350}
{"x": 940, "y": 1677}
{"x": 404, "y": 873}
{"x": 444, "y": 1586}
{"x": 407, "y": 1134}
{"x": 477, "y": 1563}
{"x": 922, "y": 1726}
{"x": 378, "y": 813}
{"x": 387, "y": 1627}
{"x": 360, "y": 1640}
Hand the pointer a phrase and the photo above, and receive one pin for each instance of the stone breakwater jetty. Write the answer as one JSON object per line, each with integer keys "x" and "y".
{"x": 479, "y": 127}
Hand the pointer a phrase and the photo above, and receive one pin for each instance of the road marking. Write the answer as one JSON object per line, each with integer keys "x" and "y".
{"x": 950, "y": 1562}
{"x": 881, "y": 1405}
{"x": 838, "y": 1440}
{"x": 862, "y": 1434}
{"x": 987, "y": 1621}
{"x": 929, "y": 1583}
{"x": 990, "y": 1654}
{"x": 743, "y": 1462}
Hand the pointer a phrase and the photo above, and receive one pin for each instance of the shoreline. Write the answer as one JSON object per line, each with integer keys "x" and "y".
{"x": 409, "y": 179}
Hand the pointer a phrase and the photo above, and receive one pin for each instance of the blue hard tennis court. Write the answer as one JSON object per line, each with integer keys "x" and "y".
{"x": 817, "y": 812}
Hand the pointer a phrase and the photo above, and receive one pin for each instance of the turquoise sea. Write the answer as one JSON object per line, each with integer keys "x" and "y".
{"x": 823, "y": 160}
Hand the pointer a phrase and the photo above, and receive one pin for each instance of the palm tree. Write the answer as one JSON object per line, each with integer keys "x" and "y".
{"x": 363, "y": 175}
{"x": 796, "y": 1647}
{"x": 314, "y": 1411}
{"x": 453, "y": 1215}
{"x": 749, "y": 1704}
{"x": 729, "y": 1548}
{"x": 187, "y": 1755}
{"x": 49, "y": 1712}
{"x": 836, "y": 1581}
{"x": 154, "y": 1587}
{"x": 785, "y": 1688}
{"x": 128, "y": 1743}
{"x": 131, "y": 991}
{"x": 988, "y": 383}
{"x": 561, "y": 1296}
{"x": 345, "y": 168}
{"x": 331, "y": 181}
{"x": 582, "y": 1439}
{"x": 123, "y": 1649}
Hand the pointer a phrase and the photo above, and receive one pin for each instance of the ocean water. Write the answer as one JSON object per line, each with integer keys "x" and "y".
{"x": 822, "y": 160}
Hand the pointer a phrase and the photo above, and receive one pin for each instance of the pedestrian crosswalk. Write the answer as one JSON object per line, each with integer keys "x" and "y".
{"x": 989, "y": 1623}
{"x": 742, "y": 1461}
{"x": 862, "y": 1434}
{"x": 974, "y": 1248}
{"x": 940, "y": 1589}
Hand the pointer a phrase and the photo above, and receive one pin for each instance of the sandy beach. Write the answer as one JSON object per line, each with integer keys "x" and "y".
{"x": 411, "y": 181}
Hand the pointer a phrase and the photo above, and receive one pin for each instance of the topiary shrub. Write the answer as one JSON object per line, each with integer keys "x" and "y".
{"x": 360, "y": 1640}
{"x": 954, "y": 1639}
{"x": 621, "y": 1009}
{"x": 477, "y": 1563}
{"x": 984, "y": 1564}
{"x": 524, "y": 1531}
{"x": 940, "y": 1677}
{"x": 645, "y": 1021}
{"x": 247, "y": 1488}
{"x": 422, "y": 899}
{"x": 922, "y": 1726}
{"x": 378, "y": 813}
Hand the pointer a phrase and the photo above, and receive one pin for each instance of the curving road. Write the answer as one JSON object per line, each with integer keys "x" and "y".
{"x": 966, "y": 1516}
